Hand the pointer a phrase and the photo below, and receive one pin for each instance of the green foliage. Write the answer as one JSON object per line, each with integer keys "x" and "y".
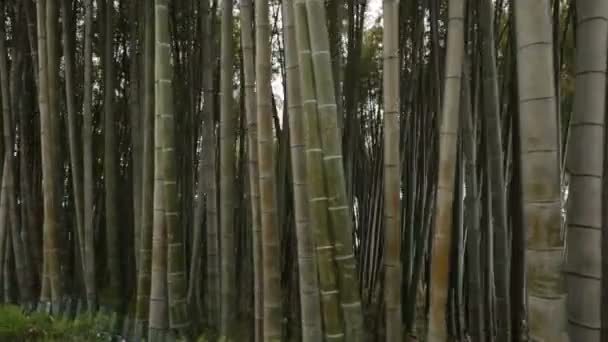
{"x": 16, "y": 326}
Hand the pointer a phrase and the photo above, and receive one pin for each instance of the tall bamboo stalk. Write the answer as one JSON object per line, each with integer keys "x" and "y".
{"x": 110, "y": 167}
{"x": 74, "y": 141}
{"x": 540, "y": 171}
{"x": 8, "y": 102}
{"x": 338, "y": 204}
{"x": 448, "y": 136}
{"x": 585, "y": 163}
{"x": 227, "y": 177}
{"x": 253, "y": 172}
{"x": 145, "y": 239}
{"x": 87, "y": 140}
{"x": 268, "y": 208}
{"x": 317, "y": 195}
{"x": 164, "y": 108}
{"x": 392, "y": 171}
{"x": 312, "y": 328}
{"x": 48, "y": 109}
{"x": 493, "y": 134}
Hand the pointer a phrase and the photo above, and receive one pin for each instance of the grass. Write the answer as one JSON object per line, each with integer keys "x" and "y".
{"x": 17, "y": 326}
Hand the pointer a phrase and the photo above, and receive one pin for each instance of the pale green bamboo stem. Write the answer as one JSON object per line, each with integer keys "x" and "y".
{"x": 318, "y": 201}
{"x": 338, "y": 204}
{"x": 307, "y": 264}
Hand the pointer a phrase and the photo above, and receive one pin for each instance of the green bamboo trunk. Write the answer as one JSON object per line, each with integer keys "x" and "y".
{"x": 317, "y": 195}
{"x": 164, "y": 108}
{"x": 312, "y": 328}
{"x": 338, "y": 204}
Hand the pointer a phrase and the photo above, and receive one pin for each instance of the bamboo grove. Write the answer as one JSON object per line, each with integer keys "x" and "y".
{"x": 307, "y": 170}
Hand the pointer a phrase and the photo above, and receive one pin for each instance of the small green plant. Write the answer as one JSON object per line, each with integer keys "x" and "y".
{"x": 16, "y": 326}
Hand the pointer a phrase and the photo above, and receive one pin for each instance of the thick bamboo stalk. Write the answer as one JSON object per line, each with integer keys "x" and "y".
{"x": 540, "y": 171}
{"x": 268, "y": 208}
{"x": 312, "y": 328}
{"x": 392, "y": 172}
{"x": 317, "y": 195}
{"x": 48, "y": 109}
{"x": 165, "y": 126}
{"x": 145, "y": 239}
{"x": 210, "y": 165}
{"x": 585, "y": 163}
{"x": 338, "y": 204}
{"x": 227, "y": 177}
{"x": 448, "y": 135}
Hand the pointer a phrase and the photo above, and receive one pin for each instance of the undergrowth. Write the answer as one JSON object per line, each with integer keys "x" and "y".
{"x": 17, "y": 326}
